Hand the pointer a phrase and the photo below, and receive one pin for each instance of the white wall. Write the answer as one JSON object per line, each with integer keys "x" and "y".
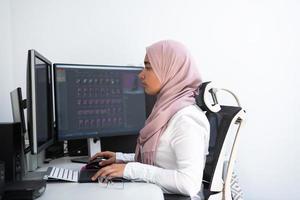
{"x": 6, "y": 82}
{"x": 251, "y": 47}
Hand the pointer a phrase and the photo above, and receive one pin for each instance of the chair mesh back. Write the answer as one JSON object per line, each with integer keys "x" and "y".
{"x": 219, "y": 125}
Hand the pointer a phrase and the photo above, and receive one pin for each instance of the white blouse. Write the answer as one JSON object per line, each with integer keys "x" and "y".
{"x": 180, "y": 156}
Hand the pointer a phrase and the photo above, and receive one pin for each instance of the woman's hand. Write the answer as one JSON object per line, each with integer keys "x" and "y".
{"x": 114, "y": 170}
{"x": 108, "y": 155}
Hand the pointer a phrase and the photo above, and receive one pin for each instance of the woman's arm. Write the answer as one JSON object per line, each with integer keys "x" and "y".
{"x": 188, "y": 142}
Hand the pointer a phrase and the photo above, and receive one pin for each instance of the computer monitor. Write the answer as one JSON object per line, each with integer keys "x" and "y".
{"x": 94, "y": 101}
{"x": 40, "y": 116}
{"x": 18, "y": 108}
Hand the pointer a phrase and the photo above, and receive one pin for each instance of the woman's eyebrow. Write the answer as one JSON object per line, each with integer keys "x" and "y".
{"x": 146, "y": 62}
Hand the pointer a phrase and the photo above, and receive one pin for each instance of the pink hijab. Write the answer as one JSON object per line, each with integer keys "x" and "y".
{"x": 177, "y": 72}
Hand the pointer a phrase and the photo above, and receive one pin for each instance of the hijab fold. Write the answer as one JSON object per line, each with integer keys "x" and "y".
{"x": 180, "y": 78}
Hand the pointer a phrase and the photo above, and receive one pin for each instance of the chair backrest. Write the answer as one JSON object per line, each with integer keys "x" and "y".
{"x": 216, "y": 174}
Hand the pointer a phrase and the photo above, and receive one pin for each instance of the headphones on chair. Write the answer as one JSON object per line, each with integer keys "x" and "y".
{"x": 206, "y": 98}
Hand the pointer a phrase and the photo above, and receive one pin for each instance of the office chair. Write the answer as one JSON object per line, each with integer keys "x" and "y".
{"x": 223, "y": 144}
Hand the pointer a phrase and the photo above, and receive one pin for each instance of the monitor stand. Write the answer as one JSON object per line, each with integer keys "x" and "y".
{"x": 94, "y": 146}
{"x": 33, "y": 163}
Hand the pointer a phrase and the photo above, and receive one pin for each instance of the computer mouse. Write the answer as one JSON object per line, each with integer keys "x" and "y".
{"x": 94, "y": 164}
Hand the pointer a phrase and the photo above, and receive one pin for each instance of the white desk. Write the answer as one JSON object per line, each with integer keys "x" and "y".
{"x": 87, "y": 191}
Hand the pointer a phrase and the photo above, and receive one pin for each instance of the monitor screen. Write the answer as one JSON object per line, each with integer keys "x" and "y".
{"x": 39, "y": 102}
{"x": 98, "y": 101}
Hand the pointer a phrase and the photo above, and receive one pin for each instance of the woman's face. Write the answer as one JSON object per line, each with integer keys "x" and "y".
{"x": 149, "y": 79}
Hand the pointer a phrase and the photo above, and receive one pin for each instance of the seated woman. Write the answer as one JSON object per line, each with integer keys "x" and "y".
{"x": 172, "y": 146}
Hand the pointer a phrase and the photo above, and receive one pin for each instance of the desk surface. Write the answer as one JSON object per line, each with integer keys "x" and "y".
{"x": 94, "y": 191}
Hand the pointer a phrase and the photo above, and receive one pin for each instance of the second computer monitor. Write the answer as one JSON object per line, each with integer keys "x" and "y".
{"x": 40, "y": 116}
{"x": 95, "y": 101}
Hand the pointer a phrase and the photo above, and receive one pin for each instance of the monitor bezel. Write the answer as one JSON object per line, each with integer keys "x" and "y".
{"x": 31, "y": 102}
{"x": 89, "y": 66}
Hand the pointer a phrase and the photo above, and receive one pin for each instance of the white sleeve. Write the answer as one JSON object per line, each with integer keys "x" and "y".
{"x": 188, "y": 144}
{"x": 124, "y": 157}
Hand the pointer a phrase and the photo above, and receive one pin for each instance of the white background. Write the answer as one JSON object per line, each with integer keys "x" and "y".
{"x": 251, "y": 47}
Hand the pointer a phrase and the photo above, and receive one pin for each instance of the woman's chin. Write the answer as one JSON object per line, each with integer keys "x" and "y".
{"x": 151, "y": 93}
{"x": 147, "y": 91}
